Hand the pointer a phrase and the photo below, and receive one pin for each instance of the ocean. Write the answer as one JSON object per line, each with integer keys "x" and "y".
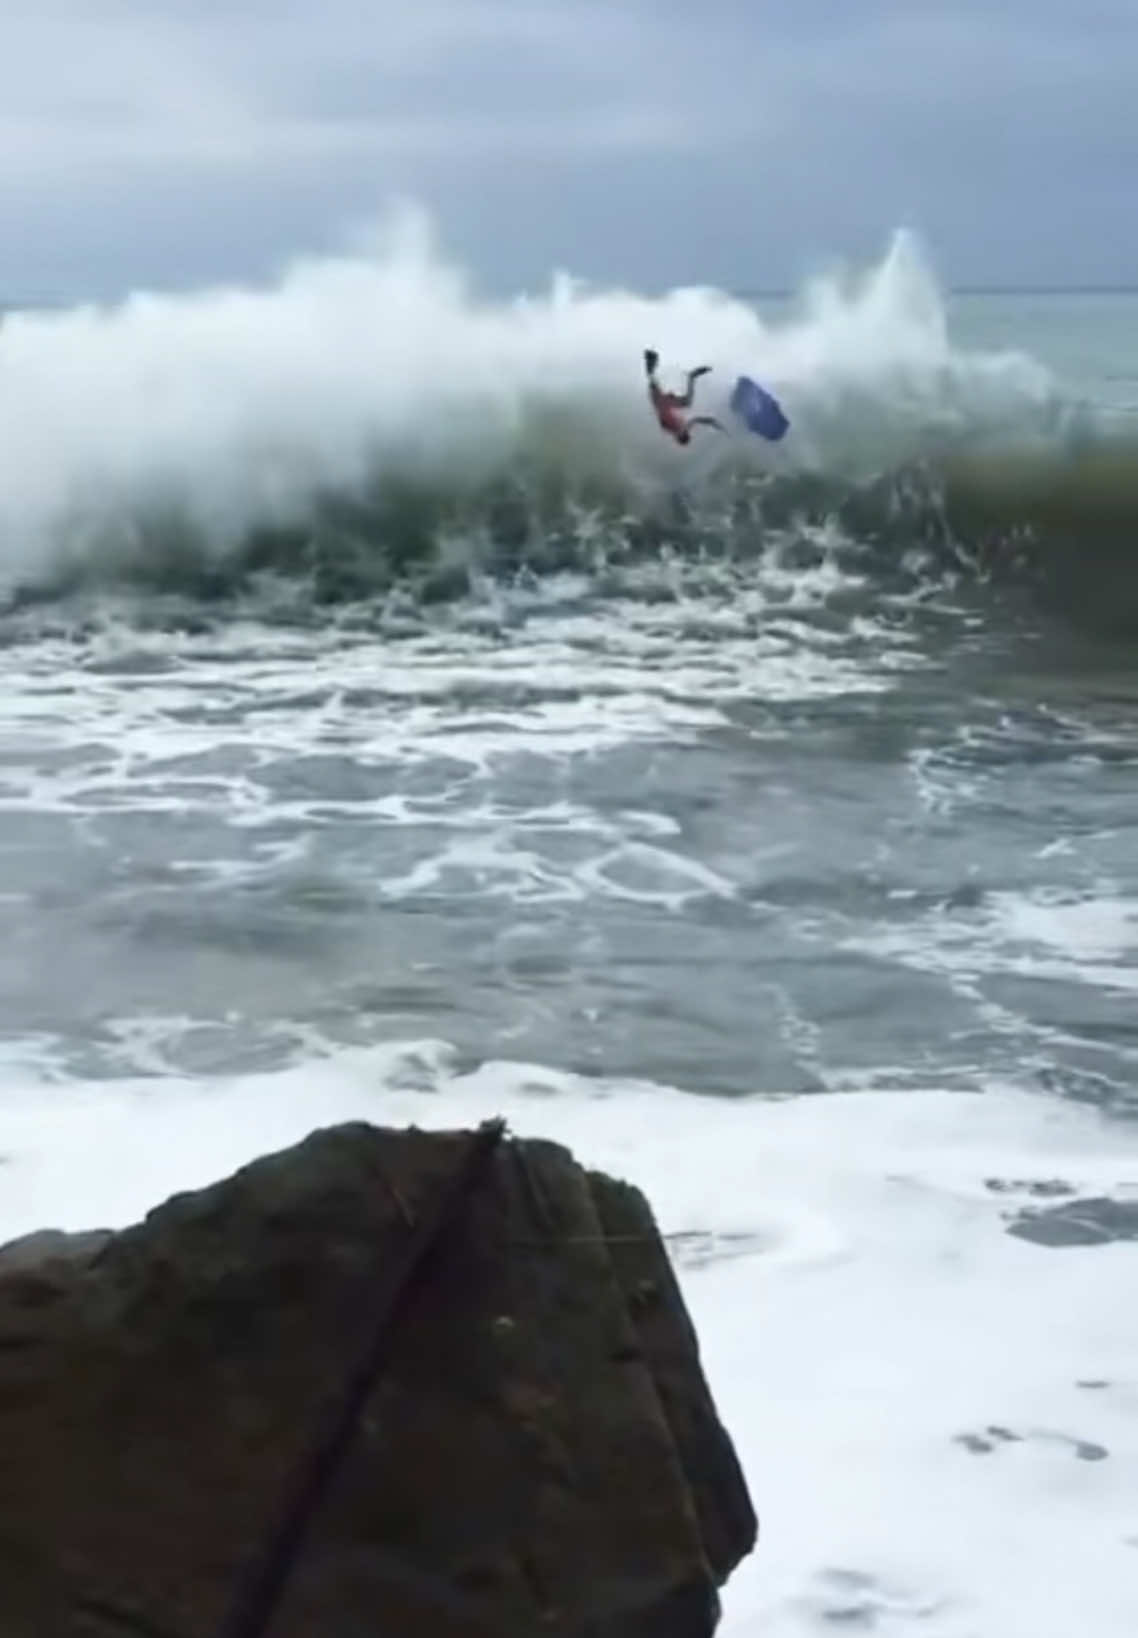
{"x": 395, "y": 727}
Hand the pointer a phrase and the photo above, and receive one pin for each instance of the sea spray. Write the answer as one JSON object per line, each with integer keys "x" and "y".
{"x": 230, "y": 414}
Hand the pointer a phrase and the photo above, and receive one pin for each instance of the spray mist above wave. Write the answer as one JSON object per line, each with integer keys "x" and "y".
{"x": 230, "y": 410}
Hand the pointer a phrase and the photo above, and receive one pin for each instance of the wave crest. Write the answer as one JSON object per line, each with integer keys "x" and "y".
{"x": 370, "y": 418}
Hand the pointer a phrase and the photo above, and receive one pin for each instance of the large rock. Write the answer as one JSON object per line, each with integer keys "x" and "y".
{"x": 538, "y": 1454}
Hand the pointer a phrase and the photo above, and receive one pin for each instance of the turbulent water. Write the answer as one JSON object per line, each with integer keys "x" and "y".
{"x": 395, "y": 726}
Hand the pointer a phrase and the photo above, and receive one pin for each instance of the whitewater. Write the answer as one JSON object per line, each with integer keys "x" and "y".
{"x": 394, "y": 726}
{"x": 361, "y": 387}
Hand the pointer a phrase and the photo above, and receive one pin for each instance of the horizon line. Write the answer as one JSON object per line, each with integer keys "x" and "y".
{"x": 1129, "y": 289}
{"x": 742, "y": 293}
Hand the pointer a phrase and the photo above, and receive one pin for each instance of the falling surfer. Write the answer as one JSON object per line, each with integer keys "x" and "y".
{"x": 668, "y": 405}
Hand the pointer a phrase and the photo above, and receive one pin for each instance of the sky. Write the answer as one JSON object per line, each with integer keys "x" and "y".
{"x": 647, "y": 143}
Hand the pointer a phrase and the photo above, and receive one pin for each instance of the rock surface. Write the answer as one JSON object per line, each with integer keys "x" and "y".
{"x": 1095, "y": 1222}
{"x": 540, "y": 1453}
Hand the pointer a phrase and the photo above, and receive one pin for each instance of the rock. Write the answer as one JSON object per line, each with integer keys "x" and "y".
{"x": 719, "y": 1492}
{"x": 1093, "y": 1222}
{"x": 49, "y": 1245}
{"x": 539, "y": 1454}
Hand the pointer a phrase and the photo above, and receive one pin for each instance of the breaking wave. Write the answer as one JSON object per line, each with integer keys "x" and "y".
{"x": 370, "y": 420}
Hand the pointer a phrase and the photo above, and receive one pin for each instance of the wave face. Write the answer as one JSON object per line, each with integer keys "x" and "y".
{"x": 369, "y": 420}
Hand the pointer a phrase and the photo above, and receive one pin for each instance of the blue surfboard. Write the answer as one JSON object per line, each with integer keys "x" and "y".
{"x": 757, "y": 409}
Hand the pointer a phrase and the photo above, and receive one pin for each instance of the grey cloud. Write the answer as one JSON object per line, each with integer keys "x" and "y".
{"x": 641, "y": 141}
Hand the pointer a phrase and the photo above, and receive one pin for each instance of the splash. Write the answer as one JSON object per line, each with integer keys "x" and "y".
{"x": 372, "y": 410}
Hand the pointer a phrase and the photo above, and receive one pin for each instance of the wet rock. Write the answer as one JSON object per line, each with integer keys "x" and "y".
{"x": 46, "y": 1246}
{"x": 539, "y": 1454}
{"x": 1042, "y": 1188}
{"x": 1079, "y": 1223}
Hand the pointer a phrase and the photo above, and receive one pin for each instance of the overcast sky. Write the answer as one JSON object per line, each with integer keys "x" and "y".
{"x": 649, "y": 142}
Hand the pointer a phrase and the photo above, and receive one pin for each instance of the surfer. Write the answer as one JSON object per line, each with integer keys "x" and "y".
{"x": 667, "y": 405}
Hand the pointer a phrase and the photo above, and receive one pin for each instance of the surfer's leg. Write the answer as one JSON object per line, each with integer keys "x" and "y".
{"x": 707, "y": 421}
{"x": 693, "y": 376}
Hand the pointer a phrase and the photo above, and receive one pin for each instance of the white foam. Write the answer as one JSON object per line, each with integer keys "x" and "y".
{"x": 867, "y": 1309}
{"x": 1077, "y": 937}
{"x": 167, "y": 723}
{"x": 1080, "y": 932}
